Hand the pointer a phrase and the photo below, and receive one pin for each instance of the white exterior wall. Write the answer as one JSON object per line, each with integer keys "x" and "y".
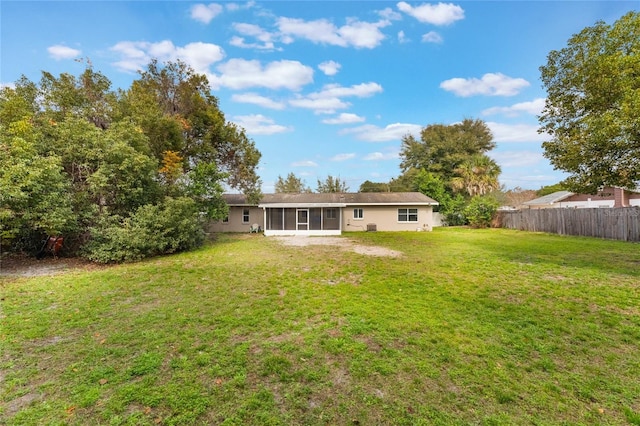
{"x": 584, "y": 204}
{"x": 386, "y": 218}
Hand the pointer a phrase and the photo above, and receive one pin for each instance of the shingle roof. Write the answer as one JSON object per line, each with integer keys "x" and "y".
{"x": 357, "y": 198}
{"x": 549, "y": 199}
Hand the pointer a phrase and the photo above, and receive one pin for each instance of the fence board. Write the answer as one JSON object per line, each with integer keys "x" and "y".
{"x": 610, "y": 223}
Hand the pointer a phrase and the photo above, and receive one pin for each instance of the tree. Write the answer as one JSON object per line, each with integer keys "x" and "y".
{"x": 516, "y": 196}
{"x": 292, "y": 184}
{"x": 592, "y": 110}
{"x": 176, "y": 110}
{"x": 443, "y": 148}
{"x": 332, "y": 184}
{"x": 550, "y": 189}
{"x": 477, "y": 175}
{"x": 368, "y": 186}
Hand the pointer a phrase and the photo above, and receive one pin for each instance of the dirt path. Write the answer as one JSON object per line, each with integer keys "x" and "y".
{"x": 23, "y": 266}
{"x": 343, "y": 243}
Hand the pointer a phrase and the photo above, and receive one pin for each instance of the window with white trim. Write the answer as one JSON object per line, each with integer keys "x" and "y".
{"x": 245, "y": 215}
{"x": 358, "y": 213}
{"x": 407, "y": 215}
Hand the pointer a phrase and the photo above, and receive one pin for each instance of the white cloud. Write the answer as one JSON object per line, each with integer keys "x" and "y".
{"x": 379, "y": 156}
{"x": 330, "y": 67}
{"x": 205, "y": 13}
{"x": 515, "y": 132}
{"x": 59, "y": 52}
{"x": 390, "y": 14}
{"x": 432, "y": 37}
{"x": 363, "y": 90}
{"x": 319, "y": 105}
{"x": 392, "y": 132}
{"x": 265, "y": 38}
{"x": 344, "y": 118}
{"x": 343, "y": 157}
{"x": 533, "y": 107}
{"x": 255, "y": 99}
{"x": 136, "y": 55}
{"x": 435, "y": 14}
{"x": 355, "y": 33}
{"x": 258, "y": 124}
{"x": 327, "y": 100}
{"x": 241, "y": 74}
{"x": 304, "y": 163}
{"x": 402, "y": 38}
{"x": 491, "y": 84}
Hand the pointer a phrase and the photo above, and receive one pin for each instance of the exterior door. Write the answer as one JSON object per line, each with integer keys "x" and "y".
{"x": 303, "y": 219}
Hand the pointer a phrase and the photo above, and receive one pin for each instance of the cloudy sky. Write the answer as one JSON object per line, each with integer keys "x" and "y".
{"x": 326, "y": 87}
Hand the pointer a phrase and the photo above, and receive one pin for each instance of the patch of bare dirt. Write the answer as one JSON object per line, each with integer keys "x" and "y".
{"x": 343, "y": 243}
{"x": 24, "y": 266}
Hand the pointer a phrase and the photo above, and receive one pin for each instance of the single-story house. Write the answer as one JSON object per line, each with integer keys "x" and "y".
{"x": 606, "y": 197}
{"x": 328, "y": 213}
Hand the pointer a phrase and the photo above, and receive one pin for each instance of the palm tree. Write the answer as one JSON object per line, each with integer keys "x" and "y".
{"x": 477, "y": 176}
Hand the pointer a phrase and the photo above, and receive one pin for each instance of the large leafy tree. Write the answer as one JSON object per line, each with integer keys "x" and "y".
{"x": 592, "y": 111}
{"x": 79, "y": 159}
{"x": 443, "y": 148}
{"x": 177, "y": 111}
{"x": 291, "y": 184}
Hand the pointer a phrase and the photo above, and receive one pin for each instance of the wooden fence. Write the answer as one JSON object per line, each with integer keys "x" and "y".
{"x": 610, "y": 223}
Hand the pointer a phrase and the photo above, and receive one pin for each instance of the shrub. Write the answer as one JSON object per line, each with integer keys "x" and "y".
{"x": 170, "y": 227}
{"x": 480, "y": 211}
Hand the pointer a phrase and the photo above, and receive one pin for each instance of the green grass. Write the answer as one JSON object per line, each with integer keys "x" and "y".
{"x": 492, "y": 327}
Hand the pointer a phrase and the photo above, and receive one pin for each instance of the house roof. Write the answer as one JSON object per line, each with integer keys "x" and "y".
{"x": 335, "y": 199}
{"x": 549, "y": 199}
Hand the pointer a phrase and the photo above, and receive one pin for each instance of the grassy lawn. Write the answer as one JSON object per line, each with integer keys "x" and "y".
{"x": 466, "y": 327}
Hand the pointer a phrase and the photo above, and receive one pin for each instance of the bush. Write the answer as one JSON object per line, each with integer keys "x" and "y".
{"x": 480, "y": 211}
{"x": 170, "y": 227}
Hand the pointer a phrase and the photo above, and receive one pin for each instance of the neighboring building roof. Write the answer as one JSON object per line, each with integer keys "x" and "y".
{"x": 549, "y": 199}
{"x": 335, "y": 199}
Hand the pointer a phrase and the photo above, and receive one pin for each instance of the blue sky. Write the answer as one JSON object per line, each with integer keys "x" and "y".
{"x": 326, "y": 87}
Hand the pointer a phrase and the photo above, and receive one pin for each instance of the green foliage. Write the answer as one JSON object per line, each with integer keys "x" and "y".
{"x": 454, "y": 211}
{"x": 443, "y": 148}
{"x": 33, "y": 191}
{"x": 592, "y": 110}
{"x": 368, "y": 186}
{"x": 432, "y": 186}
{"x": 480, "y": 211}
{"x": 292, "y": 184}
{"x": 172, "y": 226}
{"x": 76, "y": 156}
{"x": 477, "y": 175}
{"x": 550, "y": 189}
{"x": 332, "y": 184}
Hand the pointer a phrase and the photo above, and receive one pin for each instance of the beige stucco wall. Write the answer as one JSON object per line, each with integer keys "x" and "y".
{"x": 235, "y": 223}
{"x": 386, "y": 219}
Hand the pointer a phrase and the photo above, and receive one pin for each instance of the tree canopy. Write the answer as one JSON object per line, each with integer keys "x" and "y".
{"x": 592, "y": 111}
{"x": 332, "y": 184}
{"x": 79, "y": 159}
{"x": 292, "y": 184}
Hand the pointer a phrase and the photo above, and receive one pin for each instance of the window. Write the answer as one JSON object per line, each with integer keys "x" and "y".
{"x": 358, "y": 214}
{"x": 407, "y": 215}
{"x": 332, "y": 213}
{"x": 225, "y": 220}
{"x": 245, "y": 215}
